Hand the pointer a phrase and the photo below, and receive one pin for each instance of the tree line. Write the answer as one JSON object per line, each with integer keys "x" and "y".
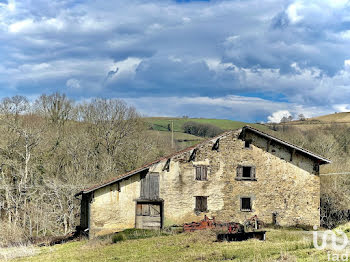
{"x": 52, "y": 148}
{"x": 201, "y": 129}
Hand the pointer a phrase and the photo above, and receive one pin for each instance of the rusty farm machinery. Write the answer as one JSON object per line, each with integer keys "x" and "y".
{"x": 229, "y": 231}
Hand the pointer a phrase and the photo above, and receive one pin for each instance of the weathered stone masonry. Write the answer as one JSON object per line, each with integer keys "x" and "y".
{"x": 286, "y": 183}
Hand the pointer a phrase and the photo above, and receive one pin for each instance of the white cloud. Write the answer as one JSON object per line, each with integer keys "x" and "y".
{"x": 347, "y": 64}
{"x": 125, "y": 68}
{"x": 337, "y": 3}
{"x": 232, "y": 39}
{"x": 292, "y": 12}
{"x": 29, "y": 26}
{"x": 228, "y": 107}
{"x": 186, "y": 19}
{"x": 345, "y": 34}
{"x": 342, "y": 107}
{"x": 11, "y": 5}
{"x": 73, "y": 83}
{"x": 278, "y": 115}
{"x": 251, "y": 53}
{"x": 21, "y": 26}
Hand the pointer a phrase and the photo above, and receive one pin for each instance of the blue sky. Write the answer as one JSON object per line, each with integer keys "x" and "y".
{"x": 245, "y": 60}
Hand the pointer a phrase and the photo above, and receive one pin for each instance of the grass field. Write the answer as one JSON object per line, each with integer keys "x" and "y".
{"x": 161, "y": 123}
{"x": 337, "y": 117}
{"x": 159, "y": 127}
{"x": 342, "y": 118}
{"x": 182, "y": 140}
{"x": 280, "y": 245}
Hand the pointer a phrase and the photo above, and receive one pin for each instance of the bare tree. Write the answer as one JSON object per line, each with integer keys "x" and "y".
{"x": 56, "y": 107}
{"x": 301, "y": 117}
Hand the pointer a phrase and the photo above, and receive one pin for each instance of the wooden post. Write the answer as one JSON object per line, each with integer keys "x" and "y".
{"x": 172, "y": 133}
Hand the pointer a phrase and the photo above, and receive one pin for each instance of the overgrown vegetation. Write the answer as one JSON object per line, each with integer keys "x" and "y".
{"x": 54, "y": 147}
{"x": 203, "y": 130}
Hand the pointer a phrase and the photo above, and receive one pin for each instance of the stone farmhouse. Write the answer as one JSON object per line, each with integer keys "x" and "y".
{"x": 233, "y": 176}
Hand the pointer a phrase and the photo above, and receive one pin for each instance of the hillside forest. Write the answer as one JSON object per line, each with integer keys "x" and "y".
{"x": 53, "y": 147}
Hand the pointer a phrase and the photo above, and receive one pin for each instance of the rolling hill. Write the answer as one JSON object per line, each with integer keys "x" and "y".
{"x": 343, "y": 117}
{"x": 161, "y": 123}
{"x": 336, "y": 118}
{"x": 158, "y": 127}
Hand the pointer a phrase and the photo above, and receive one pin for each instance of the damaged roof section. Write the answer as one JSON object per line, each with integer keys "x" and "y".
{"x": 149, "y": 165}
{"x": 321, "y": 160}
{"x": 215, "y": 141}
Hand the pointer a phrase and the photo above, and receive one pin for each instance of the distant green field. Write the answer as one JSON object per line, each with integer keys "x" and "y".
{"x": 183, "y": 140}
{"x": 161, "y": 123}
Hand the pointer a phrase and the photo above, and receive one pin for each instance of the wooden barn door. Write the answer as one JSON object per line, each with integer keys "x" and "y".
{"x": 149, "y": 207}
{"x": 149, "y": 215}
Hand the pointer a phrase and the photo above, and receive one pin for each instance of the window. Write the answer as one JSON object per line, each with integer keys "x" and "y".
{"x": 316, "y": 168}
{"x": 246, "y": 173}
{"x": 201, "y": 203}
{"x": 247, "y": 143}
{"x": 246, "y": 204}
{"x": 201, "y": 172}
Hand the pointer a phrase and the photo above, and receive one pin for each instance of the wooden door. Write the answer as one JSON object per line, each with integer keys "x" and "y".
{"x": 150, "y": 186}
{"x": 148, "y": 215}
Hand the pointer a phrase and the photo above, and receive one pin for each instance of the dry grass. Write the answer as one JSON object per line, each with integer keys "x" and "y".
{"x": 19, "y": 251}
{"x": 338, "y": 117}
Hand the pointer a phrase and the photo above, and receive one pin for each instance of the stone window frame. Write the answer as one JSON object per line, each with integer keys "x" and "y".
{"x": 241, "y": 203}
{"x": 198, "y": 210}
{"x": 205, "y": 167}
{"x": 239, "y": 173}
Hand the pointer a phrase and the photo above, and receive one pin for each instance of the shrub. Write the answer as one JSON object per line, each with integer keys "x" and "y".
{"x": 134, "y": 233}
{"x": 119, "y": 237}
{"x": 331, "y": 214}
{"x": 203, "y": 130}
{"x": 11, "y": 234}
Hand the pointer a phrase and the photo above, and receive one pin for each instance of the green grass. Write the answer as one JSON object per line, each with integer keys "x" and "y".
{"x": 183, "y": 140}
{"x": 161, "y": 123}
{"x": 280, "y": 245}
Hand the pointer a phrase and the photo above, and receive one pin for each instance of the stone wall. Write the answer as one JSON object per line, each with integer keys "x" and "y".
{"x": 287, "y": 188}
{"x": 112, "y": 207}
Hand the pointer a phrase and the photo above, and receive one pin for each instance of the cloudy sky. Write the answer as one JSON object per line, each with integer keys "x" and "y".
{"x": 246, "y": 60}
